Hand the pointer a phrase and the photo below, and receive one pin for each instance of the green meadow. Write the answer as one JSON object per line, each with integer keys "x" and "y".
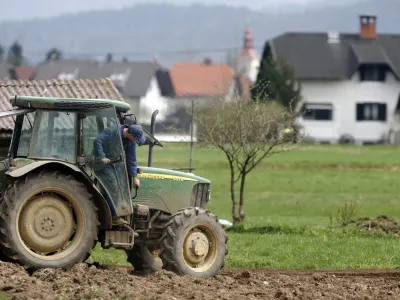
{"x": 292, "y": 203}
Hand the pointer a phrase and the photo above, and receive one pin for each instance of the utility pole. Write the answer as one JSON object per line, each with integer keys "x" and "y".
{"x": 191, "y": 141}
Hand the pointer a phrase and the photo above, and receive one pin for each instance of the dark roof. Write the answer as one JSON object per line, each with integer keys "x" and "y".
{"x": 313, "y": 57}
{"x": 131, "y": 78}
{"x": 165, "y": 83}
{"x": 55, "y": 69}
{"x": 100, "y": 88}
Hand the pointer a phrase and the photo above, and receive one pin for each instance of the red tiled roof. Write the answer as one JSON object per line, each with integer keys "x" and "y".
{"x": 82, "y": 88}
{"x": 199, "y": 79}
{"x": 25, "y": 72}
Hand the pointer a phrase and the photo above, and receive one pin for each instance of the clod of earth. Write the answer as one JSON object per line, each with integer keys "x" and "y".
{"x": 380, "y": 224}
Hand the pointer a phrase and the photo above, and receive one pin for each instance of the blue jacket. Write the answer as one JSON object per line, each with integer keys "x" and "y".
{"x": 104, "y": 146}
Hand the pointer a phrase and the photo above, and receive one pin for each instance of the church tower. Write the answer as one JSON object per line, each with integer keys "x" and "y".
{"x": 248, "y": 61}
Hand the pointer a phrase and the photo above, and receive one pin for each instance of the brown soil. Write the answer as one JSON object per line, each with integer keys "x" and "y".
{"x": 90, "y": 282}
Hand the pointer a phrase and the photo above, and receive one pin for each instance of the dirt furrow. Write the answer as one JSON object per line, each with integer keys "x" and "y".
{"x": 97, "y": 282}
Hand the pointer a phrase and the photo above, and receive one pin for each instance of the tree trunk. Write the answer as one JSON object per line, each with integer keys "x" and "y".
{"x": 241, "y": 200}
{"x": 235, "y": 217}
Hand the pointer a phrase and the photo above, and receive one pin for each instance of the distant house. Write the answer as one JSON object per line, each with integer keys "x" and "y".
{"x": 100, "y": 88}
{"x": 200, "y": 83}
{"x": 5, "y": 69}
{"x": 207, "y": 81}
{"x": 144, "y": 85}
{"x": 23, "y": 73}
{"x": 350, "y": 82}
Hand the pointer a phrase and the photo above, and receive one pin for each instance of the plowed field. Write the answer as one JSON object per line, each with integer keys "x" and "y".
{"x": 91, "y": 282}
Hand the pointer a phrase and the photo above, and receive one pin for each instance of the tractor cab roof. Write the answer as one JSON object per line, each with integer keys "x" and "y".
{"x": 67, "y": 103}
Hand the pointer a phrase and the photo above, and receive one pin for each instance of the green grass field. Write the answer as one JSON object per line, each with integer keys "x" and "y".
{"x": 289, "y": 201}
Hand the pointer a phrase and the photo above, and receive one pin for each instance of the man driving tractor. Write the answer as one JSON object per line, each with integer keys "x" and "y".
{"x": 105, "y": 149}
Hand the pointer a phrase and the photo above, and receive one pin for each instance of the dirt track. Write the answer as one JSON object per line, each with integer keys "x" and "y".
{"x": 89, "y": 282}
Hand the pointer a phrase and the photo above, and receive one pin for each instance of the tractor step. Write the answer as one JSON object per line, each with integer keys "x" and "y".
{"x": 120, "y": 239}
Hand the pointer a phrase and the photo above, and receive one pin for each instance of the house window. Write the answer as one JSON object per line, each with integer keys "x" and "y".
{"x": 69, "y": 75}
{"x": 66, "y": 76}
{"x": 120, "y": 79}
{"x": 397, "y": 110}
{"x": 318, "y": 112}
{"x": 373, "y": 73}
{"x": 371, "y": 112}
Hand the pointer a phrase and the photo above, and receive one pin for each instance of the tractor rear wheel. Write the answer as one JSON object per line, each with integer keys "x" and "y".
{"x": 48, "y": 220}
{"x": 143, "y": 259}
{"x": 194, "y": 243}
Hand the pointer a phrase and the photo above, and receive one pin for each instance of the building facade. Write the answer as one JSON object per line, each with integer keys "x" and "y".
{"x": 350, "y": 82}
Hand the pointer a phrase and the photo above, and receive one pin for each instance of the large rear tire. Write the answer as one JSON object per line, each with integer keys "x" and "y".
{"x": 194, "y": 243}
{"x": 48, "y": 220}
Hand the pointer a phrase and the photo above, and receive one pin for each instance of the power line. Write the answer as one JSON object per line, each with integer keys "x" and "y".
{"x": 138, "y": 53}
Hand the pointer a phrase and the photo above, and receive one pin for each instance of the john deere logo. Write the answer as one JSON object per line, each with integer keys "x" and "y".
{"x": 164, "y": 176}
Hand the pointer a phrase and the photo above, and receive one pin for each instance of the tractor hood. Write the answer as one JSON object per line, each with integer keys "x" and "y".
{"x": 158, "y": 173}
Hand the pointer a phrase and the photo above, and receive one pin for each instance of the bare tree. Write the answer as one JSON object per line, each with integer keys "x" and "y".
{"x": 54, "y": 54}
{"x": 15, "y": 55}
{"x": 109, "y": 57}
{"x": 247, "y": 131}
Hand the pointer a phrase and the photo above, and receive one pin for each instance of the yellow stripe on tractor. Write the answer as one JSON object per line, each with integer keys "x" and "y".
{"x": 164, "y": 176}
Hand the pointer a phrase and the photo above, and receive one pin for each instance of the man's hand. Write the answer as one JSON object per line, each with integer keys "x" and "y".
{"x": 105, "y": 160}
{"x": 136, "y": 182}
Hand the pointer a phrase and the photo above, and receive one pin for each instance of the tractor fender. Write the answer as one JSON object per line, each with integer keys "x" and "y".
{"x": 21, "y": 171}
{"x": 104, "y": 211}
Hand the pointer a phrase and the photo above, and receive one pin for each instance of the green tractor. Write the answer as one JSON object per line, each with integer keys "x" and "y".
{"x": 55, "y": 207}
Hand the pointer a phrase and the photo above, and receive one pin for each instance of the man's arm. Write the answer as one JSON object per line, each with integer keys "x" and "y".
{"x": 131, "y": 162}
{"x": 98, "y": 143}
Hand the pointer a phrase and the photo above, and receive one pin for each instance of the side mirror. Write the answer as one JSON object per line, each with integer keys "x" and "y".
{"x": 129, "y": 119}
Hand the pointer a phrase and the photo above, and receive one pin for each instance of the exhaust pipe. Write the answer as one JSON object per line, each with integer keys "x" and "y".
{"x": 152, "y": 130}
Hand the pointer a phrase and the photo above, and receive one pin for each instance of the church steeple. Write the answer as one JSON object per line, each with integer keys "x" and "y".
{"x": 247, "y": 61}
{"x": 248, "y": 39}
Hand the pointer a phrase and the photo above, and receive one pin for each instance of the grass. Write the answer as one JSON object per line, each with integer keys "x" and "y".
{"x": 4, "y": 296}
{"x": 290, "y": 200}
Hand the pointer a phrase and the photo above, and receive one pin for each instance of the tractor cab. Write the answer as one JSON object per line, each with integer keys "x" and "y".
{"x": 72, "y": 132}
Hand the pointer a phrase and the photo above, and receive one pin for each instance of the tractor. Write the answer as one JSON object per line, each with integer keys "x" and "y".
{"x": 55, "y": 206}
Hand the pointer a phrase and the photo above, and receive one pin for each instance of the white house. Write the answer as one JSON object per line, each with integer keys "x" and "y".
{"x": 350, "y": 82}
{"x": 144, "y": 85}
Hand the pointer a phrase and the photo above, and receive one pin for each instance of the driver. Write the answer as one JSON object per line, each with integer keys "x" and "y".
{"x": 105, "y": 148}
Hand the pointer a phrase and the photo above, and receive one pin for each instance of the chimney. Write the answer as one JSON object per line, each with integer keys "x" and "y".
{"x": 368, "y": 27}
{"x": 207, "y": 61}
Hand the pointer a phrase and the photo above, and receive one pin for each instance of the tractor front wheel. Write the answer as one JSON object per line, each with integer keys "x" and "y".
{"x": 47, "y": 220}
{"x": 194, "y": 243}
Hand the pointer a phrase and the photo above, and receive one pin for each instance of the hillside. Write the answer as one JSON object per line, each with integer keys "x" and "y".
{"x": 142, "y": 31}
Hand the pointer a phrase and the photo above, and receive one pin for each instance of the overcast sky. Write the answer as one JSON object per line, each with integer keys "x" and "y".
{"x": 28, "y": 9}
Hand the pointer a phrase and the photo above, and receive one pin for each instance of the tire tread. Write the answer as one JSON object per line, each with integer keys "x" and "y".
{"x": 12, "y": 197}
{"x": 167, "y": 240}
